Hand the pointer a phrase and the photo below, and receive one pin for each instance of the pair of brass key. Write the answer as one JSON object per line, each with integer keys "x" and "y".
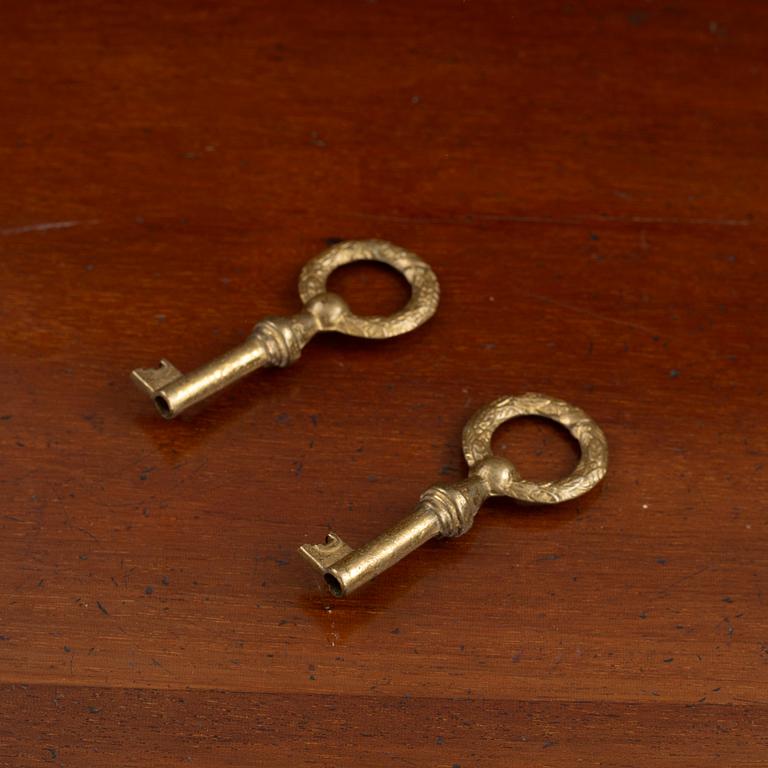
{"x": 447, "y": 511}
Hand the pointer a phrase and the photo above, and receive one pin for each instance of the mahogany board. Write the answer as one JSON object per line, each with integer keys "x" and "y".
{"x": 589, "y": 183}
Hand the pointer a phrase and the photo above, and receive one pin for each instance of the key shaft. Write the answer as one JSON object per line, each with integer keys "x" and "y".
{"x": 442, "y": 511}
{"x": 363, "y": 564}
{"x": 274, "y": 341}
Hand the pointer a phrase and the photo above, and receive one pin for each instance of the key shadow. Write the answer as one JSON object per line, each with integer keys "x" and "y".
{"x": 267, "y": 391}
{"x": 241, "y": 403}
{"x": 341, "y": 618}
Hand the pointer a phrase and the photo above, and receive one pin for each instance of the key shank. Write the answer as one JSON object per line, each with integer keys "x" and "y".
{"x": 442, "y": 511}
{"x": 275, "y": 341}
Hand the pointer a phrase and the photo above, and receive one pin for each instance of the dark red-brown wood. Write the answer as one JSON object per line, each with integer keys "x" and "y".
{"x": 589, "y": 181}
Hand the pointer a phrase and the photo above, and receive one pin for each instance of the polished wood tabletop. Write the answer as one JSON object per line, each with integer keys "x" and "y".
{"x": 589, "y": 182}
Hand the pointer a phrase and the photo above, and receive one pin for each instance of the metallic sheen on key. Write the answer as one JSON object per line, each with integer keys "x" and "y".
{"x": 449, "y": 511}
{"x": 278, "y": 341}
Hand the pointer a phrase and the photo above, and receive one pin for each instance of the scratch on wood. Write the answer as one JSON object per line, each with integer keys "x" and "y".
{"x": 44, "y": 227}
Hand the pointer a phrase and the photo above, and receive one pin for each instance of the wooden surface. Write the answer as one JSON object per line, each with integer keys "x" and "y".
{"x": 589, "y": 183}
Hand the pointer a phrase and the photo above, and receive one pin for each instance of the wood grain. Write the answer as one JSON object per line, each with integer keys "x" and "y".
{"x": 589, "y": 183}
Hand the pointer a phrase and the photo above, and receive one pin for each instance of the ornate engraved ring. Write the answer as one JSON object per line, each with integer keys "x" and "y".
{"x": 425, "y": 291}
{"x": 592, "y": 466}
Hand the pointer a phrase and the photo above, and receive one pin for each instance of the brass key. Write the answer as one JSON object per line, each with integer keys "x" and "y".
{"x": 278, "y": 341}
{"x": 450, "y": 510}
